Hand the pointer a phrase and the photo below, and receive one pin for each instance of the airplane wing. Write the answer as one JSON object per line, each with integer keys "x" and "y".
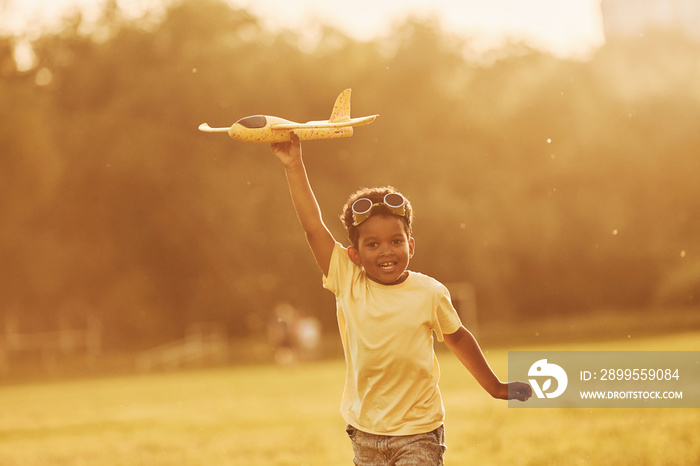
{"x": 326, "y": 124}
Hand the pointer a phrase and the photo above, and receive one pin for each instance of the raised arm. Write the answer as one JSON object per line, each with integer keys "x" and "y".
{"x": 320, "y": 239}
{"x": 463, "y": 344}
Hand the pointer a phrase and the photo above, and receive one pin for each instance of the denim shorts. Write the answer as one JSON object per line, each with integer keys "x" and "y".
{"x": 426, "y": 449}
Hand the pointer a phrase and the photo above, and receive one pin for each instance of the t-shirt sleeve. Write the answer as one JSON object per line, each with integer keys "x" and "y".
{"x": 335, "y": 269}
{"x": 447, "y": 320}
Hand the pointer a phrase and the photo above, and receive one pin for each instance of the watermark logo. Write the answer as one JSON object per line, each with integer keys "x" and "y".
{"x": 542, "y": 368}
{"x": 607, "y": 379}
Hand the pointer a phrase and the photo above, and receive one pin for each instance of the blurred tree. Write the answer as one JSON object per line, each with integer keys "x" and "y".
{"x": 552, "y": 185}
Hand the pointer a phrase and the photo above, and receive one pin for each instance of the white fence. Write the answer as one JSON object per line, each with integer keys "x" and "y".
{"x": 51, "y": 345}
{"x": 204, "y": 343}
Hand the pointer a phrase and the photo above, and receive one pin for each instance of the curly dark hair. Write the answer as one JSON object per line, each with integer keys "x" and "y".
{"x": 375, "y": 195}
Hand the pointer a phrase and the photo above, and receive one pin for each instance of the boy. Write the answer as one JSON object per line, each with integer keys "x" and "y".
{"x": 386, "y": 317}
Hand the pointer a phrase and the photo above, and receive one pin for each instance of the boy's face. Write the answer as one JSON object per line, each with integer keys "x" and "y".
{"x": 383, "y": 249}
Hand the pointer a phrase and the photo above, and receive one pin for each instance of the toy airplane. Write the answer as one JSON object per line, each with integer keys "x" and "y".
{"x": 263, "y": 128}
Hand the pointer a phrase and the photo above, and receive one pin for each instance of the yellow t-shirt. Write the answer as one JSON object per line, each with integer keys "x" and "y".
{"x": 391, "y": 384}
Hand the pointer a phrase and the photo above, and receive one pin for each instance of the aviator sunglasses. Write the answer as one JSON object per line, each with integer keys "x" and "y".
{"x": 362, "y": 208}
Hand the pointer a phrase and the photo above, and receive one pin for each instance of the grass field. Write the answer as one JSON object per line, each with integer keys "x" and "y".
{"x": 268, "y": 415}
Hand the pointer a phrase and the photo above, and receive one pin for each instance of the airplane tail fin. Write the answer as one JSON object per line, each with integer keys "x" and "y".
{"x": 341, "y": 109}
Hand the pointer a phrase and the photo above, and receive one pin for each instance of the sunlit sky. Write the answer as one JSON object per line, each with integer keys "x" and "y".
{"x": 567, "y": 28}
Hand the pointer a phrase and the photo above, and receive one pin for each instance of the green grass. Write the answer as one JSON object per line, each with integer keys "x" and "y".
{"x": 268, "y": 415}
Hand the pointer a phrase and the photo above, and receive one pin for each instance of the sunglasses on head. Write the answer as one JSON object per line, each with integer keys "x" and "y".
{"x": 362, "y": 208}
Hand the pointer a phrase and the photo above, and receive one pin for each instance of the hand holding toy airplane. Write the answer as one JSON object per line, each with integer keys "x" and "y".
{"x": 262, "y": 128}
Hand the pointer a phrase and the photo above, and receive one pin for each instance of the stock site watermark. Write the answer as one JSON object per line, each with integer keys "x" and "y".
{"x": 607, "y": 379}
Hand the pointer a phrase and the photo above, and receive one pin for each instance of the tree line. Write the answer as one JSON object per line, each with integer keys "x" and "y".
{"x": 553, "y": 186}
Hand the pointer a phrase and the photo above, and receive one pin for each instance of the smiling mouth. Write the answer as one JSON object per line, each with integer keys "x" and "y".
{"x": 387, "y": 266}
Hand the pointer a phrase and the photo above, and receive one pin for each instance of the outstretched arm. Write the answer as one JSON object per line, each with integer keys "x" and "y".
{"x": 463, "y": 344}
{"x": 320, "y": 239}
